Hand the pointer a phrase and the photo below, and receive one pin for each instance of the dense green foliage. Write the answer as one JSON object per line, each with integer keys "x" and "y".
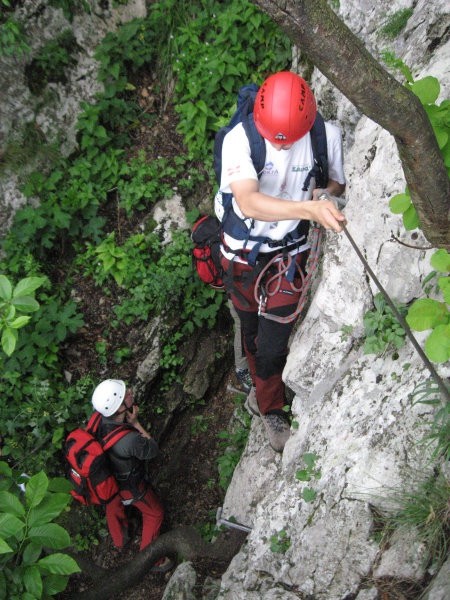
{"x": 67, "y": 231}
{"x": 30, "y": 567}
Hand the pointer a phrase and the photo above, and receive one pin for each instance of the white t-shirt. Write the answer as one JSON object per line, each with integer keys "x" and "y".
{"x": 283, "y": 176}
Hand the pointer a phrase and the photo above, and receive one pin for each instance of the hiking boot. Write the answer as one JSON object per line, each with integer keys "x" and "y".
{"x": 251, "y": 404}
{"x": 278, "y": 429}
{"x": 162, "y": 566}
{"x": 244, "y": 380}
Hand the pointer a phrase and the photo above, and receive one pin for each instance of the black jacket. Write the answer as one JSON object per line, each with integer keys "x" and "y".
{"x": 128, "y": 455}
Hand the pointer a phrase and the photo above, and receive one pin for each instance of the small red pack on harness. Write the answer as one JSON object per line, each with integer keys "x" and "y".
{"x": 206, "y": 253}
{"x": 89, "y": 467}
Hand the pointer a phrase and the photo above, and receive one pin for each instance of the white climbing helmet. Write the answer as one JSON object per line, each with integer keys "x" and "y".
{"x": 108, "y": 396}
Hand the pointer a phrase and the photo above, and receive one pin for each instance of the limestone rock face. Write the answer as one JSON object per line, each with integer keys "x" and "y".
{"x": 52, "y": 114}
{"x": 352, "y": 411}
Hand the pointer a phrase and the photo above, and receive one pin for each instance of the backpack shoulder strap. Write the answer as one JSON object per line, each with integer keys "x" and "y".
{"x": 244, "y": 109}
{"x": 93, "y": 423}
{"x": 115, "y": 435}
{"x": 320, "y": 154}
{"x": 257, "y": 143}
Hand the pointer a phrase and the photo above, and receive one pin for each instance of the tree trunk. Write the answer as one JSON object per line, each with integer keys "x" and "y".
{"x": 343, "y": 59}
{"x": 184, "y": 542}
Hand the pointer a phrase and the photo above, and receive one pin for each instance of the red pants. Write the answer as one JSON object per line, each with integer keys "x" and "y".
{"x": 265, "y": 341}
{"x": 152, "y": 517}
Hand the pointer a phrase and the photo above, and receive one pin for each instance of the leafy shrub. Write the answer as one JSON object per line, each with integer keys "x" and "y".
{"x": 13, "y": 41}
{"x": 214, "y": 59}
{"x": 383, "y": 331}
{"x": 51, "y": 62}
{"x": 427, "y": 90}
{"x": 26, "y": 530}
{"x": 280, "y": 542}
{"x": 428, "y": 313}
{"x": 35, "y": 424}
{"x": 306, "y": 474}
{"x": 13, "y": 301}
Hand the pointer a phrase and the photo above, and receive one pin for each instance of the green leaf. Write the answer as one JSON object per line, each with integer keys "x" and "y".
{"x": 441, "y": 261}
{"x": 33, "y": 581}
{"x": 54, "y": 584}
{"x": 31, "y": 553}
{"x": 399, "y": 203}
{"x": 309, "y": 459}
{"x": 48, "y": 509}
{"x": 5, "y": 288}
{"x": 19, "y": 322}
{"x": 60, "y": 484}
{"x": 444, "y": 285}
{"x": 9, "y": 340}
{"x": 10, "y": 525}
{"x": 36, "y": 488}
{"x": 4, "y": 548}
{"x": 426, "y": 313}
{"x": 5, "y": 469}
{"x": 26, "y": 304}
{"x": 426, "y": 89}
{"x": 27, "y": 286}
{"x": 57, "y": 436}
{"x": 309, "y": 495}
{"x": 50, "y": 535}
{"x": 410, "y": 219}
{"x": 11, "y": 504}
{"x": 441, "y": 137}
{"x": 59, "y": 564}
{"x": 437, "y": 344}
{"x": 302, "y": 475}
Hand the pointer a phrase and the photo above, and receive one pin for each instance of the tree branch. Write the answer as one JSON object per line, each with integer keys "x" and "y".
{"x": 343, "y": 59}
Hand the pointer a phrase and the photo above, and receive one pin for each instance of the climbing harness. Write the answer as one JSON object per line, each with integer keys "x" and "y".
{"x": 268, "y": 282}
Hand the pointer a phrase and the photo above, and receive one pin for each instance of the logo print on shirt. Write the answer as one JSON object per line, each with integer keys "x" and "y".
{"x": 269, "y": 169}
{"x": 300, "y": 168}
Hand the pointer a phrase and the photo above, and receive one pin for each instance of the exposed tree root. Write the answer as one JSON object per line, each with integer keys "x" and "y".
{"x": 184, "y": 543}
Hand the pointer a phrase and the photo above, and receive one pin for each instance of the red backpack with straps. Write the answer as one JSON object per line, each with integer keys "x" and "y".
{"x": 89, "y": 466}
{"x": 206, "y": 252}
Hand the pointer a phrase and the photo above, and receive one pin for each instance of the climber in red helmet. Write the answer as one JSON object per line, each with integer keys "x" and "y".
{"x": 276, "y": 206}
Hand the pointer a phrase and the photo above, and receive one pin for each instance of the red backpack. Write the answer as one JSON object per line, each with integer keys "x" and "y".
{"x": 89, "y": 466}
{"x": 206, "y": 253}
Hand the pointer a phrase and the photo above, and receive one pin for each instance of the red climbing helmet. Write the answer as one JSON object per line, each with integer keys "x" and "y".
{"x": 285, "y": 108}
